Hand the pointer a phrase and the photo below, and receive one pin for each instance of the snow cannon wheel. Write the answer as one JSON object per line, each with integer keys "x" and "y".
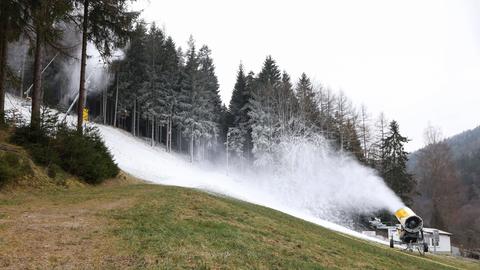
{"x": 425, "y": 247}
{"x": 391, "y": 242}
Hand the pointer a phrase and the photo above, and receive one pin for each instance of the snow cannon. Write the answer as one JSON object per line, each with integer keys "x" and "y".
{"x": 409, "y": 220}
{"x": 409, "y": 231}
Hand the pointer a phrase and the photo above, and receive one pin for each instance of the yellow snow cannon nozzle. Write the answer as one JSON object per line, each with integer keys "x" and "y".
{"x": 409, "y": 220}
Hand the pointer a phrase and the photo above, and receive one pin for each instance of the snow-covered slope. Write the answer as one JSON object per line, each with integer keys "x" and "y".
{"x": 154, "y": 164}
{"x": 138, "y": 158}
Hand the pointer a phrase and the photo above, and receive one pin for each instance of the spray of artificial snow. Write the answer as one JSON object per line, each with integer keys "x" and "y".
{"x": 97, "y": 77}
{"x": 309, "y": 176}
{"x": 307, "y": 180}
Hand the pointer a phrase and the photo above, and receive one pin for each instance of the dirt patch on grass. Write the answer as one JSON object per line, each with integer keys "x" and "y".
{"x": 123, "y": 178}
{"x": 42, "y": 234}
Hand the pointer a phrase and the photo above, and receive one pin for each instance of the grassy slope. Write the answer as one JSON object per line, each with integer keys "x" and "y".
{"x": 151, "y": 226}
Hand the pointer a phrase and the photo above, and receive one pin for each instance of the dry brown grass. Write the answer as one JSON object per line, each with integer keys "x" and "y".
{"x": 40, "y": 231}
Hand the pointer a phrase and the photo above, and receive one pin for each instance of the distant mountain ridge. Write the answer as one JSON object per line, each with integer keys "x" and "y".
{"x": 448, "y": 186}
{"x": 465, "y": 143}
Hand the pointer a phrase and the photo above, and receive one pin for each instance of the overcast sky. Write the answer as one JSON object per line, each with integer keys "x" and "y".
{"x": 417, "y": 61}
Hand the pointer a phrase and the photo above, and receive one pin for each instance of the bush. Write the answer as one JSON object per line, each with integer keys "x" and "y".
{"x": 12, "y": 167}
{"x": 38, "y": 143}
{"x": 83, "y": 155}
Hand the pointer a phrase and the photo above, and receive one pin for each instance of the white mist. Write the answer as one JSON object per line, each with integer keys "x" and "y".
{"x": 308, "y": 179}
{"x": 309, "y": 176}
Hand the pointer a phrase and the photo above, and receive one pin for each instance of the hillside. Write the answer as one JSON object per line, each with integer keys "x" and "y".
{"x": 465, "y": 143}
{"x": 152, "y": 226}
{"x": 123, "y": 223}
{"x": 138, "y": 158}
{"x": 449, "y": 186}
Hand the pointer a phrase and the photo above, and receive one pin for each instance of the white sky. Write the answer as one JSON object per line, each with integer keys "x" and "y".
{"x": 417, "y": 61}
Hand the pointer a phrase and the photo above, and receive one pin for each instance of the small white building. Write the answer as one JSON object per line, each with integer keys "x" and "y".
{"x": 443, "y": 246}
{"x": 444, "y": 243}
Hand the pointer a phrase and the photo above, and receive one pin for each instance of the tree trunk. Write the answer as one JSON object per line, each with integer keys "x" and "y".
{"x": 134, "y": 118}
{"x": 179, "y": 139}
{"x": 116, "y": 104}
{"x": 167, "y": 134}
{"x": 157, "y": 131}
{"x": 104, "y": 106}
{"x": 22, "y": 78}
{"x": 83, "y": 65}
{"x": 170, "y": 134}
{"x": 138, "y": 122}
{"x": 191, "y": 147}
{"x": 160, "y": 133}
{"x": 3, "y": 65}
{"x": 37, "y": 81}
{"x": 153, "y": 131}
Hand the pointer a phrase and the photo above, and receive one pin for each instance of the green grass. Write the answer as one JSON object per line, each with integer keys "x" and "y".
{"x": 165, "y": 227}
{"x": 186, "y": 228}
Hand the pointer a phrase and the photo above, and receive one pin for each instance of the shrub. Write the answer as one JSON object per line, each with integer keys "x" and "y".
{"x": 12, "y": 167}
{"x": 84, "y": 155}
{"x": 38, "y": 144}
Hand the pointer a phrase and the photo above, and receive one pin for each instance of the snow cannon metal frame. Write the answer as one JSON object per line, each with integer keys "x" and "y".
{"x": 410, "y": 231}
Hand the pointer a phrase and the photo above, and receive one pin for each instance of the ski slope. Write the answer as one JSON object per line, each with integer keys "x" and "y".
{"x": 154, "y": 164}
{"x": 136, "y": 157}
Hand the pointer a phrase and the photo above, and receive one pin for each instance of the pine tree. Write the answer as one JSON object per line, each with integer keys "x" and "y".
{"x": 308, "y": 110}
{"x": 239, "y": 109}
{"x": 168, "y": 88}
{"x": 245, "y": 121}
{"x": 213, "y": 104}
{"x": 107, "y": 24}
{"x": 198, "y": 98}
{"x": 46, "y": 18}
{"x": 12, "y": 24}
{"x": 264, "y": 122}
{"x": 394, "y": 167}
{"x": 287, "y": 105}
{"x": 263, "y": 132}
{"x": 238, "y": 100}
{"x": 131, "y": 74}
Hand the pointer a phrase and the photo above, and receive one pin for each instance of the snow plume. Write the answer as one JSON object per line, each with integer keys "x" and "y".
{"x": 97, "y": 76}
{"x": 308, "y": 181}
{"x": 308, "y": 175}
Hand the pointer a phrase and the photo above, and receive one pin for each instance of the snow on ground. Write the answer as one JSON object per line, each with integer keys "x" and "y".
{"x": 154, "y": 164}
{"x": 136, "y": 157}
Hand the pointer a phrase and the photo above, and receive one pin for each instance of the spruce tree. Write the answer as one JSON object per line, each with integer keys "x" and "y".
{"x": 245, "y": 120}
{"x": 270, "y": 72}
{"x": 46, "y": 19}
{"x": 238, "y": 100}
{"x": 107, "y": 24}
{"x": 212, "y": 107}
{"x": 287, "y": 104}
{"x": 12, "y": 24}
{"x": 308, "y": 110}
{"x": 394, "y": 167}
{"x": 198, "y": 98}
{"x": 132, "y": 74}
